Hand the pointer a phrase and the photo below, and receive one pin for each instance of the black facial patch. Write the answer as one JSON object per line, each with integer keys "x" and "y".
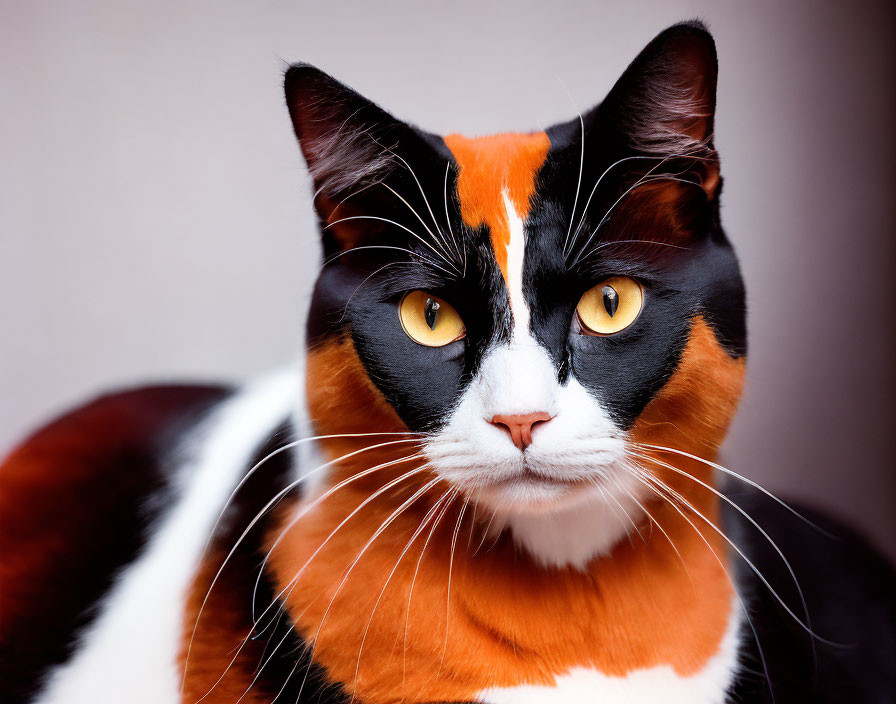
{"x": 360, "y": 293}
{"x": 687, "y": 272}
{"x": 386, "y": 194}
{"x": 401, "y": 230}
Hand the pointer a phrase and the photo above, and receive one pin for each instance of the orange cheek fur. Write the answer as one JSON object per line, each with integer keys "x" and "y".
{"x": 212, "y": 673}
{"x": 343, "y": 400}
{"x": 505, "y": 621}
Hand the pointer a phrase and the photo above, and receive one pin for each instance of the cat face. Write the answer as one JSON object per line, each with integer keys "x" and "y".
{"x": 531, "y": 304}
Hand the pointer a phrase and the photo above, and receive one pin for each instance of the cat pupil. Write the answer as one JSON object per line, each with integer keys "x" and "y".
{"x": 611, "y": 300}
{"x": 431, "y": 312}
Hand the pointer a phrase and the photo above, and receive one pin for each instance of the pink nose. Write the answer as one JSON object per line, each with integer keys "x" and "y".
{"x": 520, "y": 426}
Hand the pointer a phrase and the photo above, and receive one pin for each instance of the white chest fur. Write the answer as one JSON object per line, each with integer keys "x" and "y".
{"x": 658, "y": 684}
{"x": 129, "y": 653}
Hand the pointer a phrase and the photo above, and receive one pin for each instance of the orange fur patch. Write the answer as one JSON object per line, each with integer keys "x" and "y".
{"x": 393, "y": 631}
{"x": 70, "y": 518}
{"x": 490, "y": 167}
{"x": 343, "y": 400}
{"x": 222, "y": 656}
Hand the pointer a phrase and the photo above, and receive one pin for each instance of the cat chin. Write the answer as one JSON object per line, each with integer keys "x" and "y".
{"x": 540, "y": 484}
{"x": 529, "y": 494}
{"x": 564, "y": 528}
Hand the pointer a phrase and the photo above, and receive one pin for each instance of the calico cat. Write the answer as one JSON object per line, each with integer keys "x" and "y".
{"x": 493, "y": 479}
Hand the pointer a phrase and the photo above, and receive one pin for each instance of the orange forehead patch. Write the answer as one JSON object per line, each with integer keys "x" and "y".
{"x": 491, "y": 167}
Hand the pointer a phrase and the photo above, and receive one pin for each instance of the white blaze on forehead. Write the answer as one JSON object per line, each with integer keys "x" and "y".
{"x": 516, "y": 247}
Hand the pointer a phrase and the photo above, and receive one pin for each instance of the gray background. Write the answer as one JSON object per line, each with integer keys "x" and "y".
{"x": 156, "y": 224}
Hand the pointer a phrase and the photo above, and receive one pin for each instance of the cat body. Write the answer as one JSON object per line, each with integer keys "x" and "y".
{"x": 492, "y": 480}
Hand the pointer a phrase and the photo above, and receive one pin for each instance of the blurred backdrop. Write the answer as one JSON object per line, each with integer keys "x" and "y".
{"x": 156, "y": 221}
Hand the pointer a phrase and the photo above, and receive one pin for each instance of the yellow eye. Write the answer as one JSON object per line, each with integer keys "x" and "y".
{"x": 610, "y": 306}
{"x": 429, "y": 320}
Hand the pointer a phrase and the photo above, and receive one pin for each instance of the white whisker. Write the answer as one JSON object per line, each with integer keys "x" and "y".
{"x": 663, "y": 159}
{"x": 458, "y": 244}
{"x": 283, "y": 448}
{"x": 290, "y": 586}
{"x": 279, "y": 495}
{"x": 743, "y": 556}
{"x": 306, "y": 509}
{"x": 746, "y": 480}
{"x": 351, "y": 250}
{"x": 485, "y": 533}
{"x": 624, "y": 511}
{"x": 361, "y": 285}
{"x": 422, "y": 193}
{"x": 575, "y": 201}
{"x": 652, "y": 482}
{"x": 460, "y": 518}
{"x": 656, "y": 523}
{"x": 430, "y": 514}
{"x": 647, "y": 178}
{"x": 438, "y": 239}
{"x": 423, "y": 490}
{"x": 761, "y": 530}
{"x": 413, "y": 234}
{"x": 453, "y": 493}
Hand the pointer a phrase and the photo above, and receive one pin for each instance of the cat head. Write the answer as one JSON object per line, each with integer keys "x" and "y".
{"x": 540, "y": 308}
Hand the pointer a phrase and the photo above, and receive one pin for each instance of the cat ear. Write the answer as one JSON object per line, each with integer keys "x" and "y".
{"x": 351, "y": 147}
{"x": 665, "y": 102}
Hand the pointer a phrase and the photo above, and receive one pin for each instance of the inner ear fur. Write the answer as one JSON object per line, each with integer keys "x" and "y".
{"x": 356, "y": 152}
{"x": 664, "y": 104}
{"x": 345, "y": 138}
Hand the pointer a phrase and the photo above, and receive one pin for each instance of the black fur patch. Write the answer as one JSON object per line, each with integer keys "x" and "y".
{"x": 72, "y": 531}
{"x": 849, "y": 591}
{"x": 278, "y": 657}
{"x": 568, "y": 250}
{"x": 682, "y": 277}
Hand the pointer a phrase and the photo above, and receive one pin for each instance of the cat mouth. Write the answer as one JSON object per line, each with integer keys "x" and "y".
{"x": 530, "y": 477}
{"x": 528, "y": 490}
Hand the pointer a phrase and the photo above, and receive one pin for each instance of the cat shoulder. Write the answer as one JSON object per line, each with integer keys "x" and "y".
{"x": 77, "y": 501}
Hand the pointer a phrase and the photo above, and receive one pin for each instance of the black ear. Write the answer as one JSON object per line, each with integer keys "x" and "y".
{"x": 354, "y": 151}
{"x": 345, "y": 138}
{"x": 665, "y": 102}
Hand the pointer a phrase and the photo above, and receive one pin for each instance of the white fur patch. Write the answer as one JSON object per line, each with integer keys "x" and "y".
{"x": 516, "y": 248}
{"x": 568, "y": 498}
{"x": 572, "y": 535}
{"x": 655, "y": 684}
{"x": 129, "y": 653}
